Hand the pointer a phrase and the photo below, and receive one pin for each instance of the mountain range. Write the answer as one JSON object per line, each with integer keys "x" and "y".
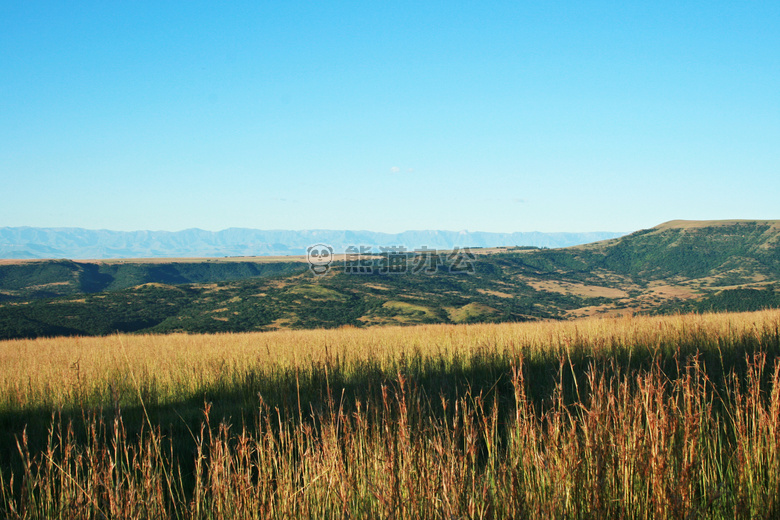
{"x": 678, "y": 266}
{"x": 32, "y": 242}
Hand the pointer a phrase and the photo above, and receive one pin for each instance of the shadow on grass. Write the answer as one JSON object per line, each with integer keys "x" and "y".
{"x": 319, "y": 391}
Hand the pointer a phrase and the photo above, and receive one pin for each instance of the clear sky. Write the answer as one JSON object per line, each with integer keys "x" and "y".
{"x": 388, "y": 116}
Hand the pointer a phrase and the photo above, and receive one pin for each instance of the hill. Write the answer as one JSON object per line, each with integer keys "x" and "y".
{"x": 678, "y": 265}
{"x": 21, "y": 281}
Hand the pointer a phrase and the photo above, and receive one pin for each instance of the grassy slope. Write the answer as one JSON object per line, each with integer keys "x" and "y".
{"x": 29, "y": 280}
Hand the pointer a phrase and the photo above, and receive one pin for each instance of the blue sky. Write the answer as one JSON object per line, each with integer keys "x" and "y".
{"x": 486, "y": 116}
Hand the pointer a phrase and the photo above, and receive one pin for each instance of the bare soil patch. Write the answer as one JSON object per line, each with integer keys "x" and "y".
{"x": 578, "y": 289}
{"x": 495, "y": 293}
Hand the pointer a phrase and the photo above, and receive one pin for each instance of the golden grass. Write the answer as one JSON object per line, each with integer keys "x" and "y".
{"x": 451, "y": 427}
{"x": 50, "y": 370}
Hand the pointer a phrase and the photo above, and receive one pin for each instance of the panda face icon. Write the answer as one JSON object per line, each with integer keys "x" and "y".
{"x": 319, "y": 257}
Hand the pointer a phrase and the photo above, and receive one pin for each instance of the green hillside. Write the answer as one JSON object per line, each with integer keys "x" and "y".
{"x": 30, "y": 280}
{"x": 680, "y": 265}
{"x": 731, "y": 251}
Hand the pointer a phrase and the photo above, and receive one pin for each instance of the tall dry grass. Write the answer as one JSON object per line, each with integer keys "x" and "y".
{"x": 66, "y": 372}
{"x": 673, "y": 417}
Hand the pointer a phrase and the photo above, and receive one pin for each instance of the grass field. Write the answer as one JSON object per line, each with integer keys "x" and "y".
{"x": 633, "y": 417}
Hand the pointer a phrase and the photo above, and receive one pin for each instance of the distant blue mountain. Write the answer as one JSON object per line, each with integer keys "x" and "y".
{"x": 78, "y": 243}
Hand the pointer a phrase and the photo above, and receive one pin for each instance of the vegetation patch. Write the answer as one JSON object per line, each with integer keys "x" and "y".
{"x": 472, "y": 312}
{"x": 579, "y": 289}
{"x": 491, "y": 292}
{"x": 408, "y": 309}
{"x": 317, "y": 292}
